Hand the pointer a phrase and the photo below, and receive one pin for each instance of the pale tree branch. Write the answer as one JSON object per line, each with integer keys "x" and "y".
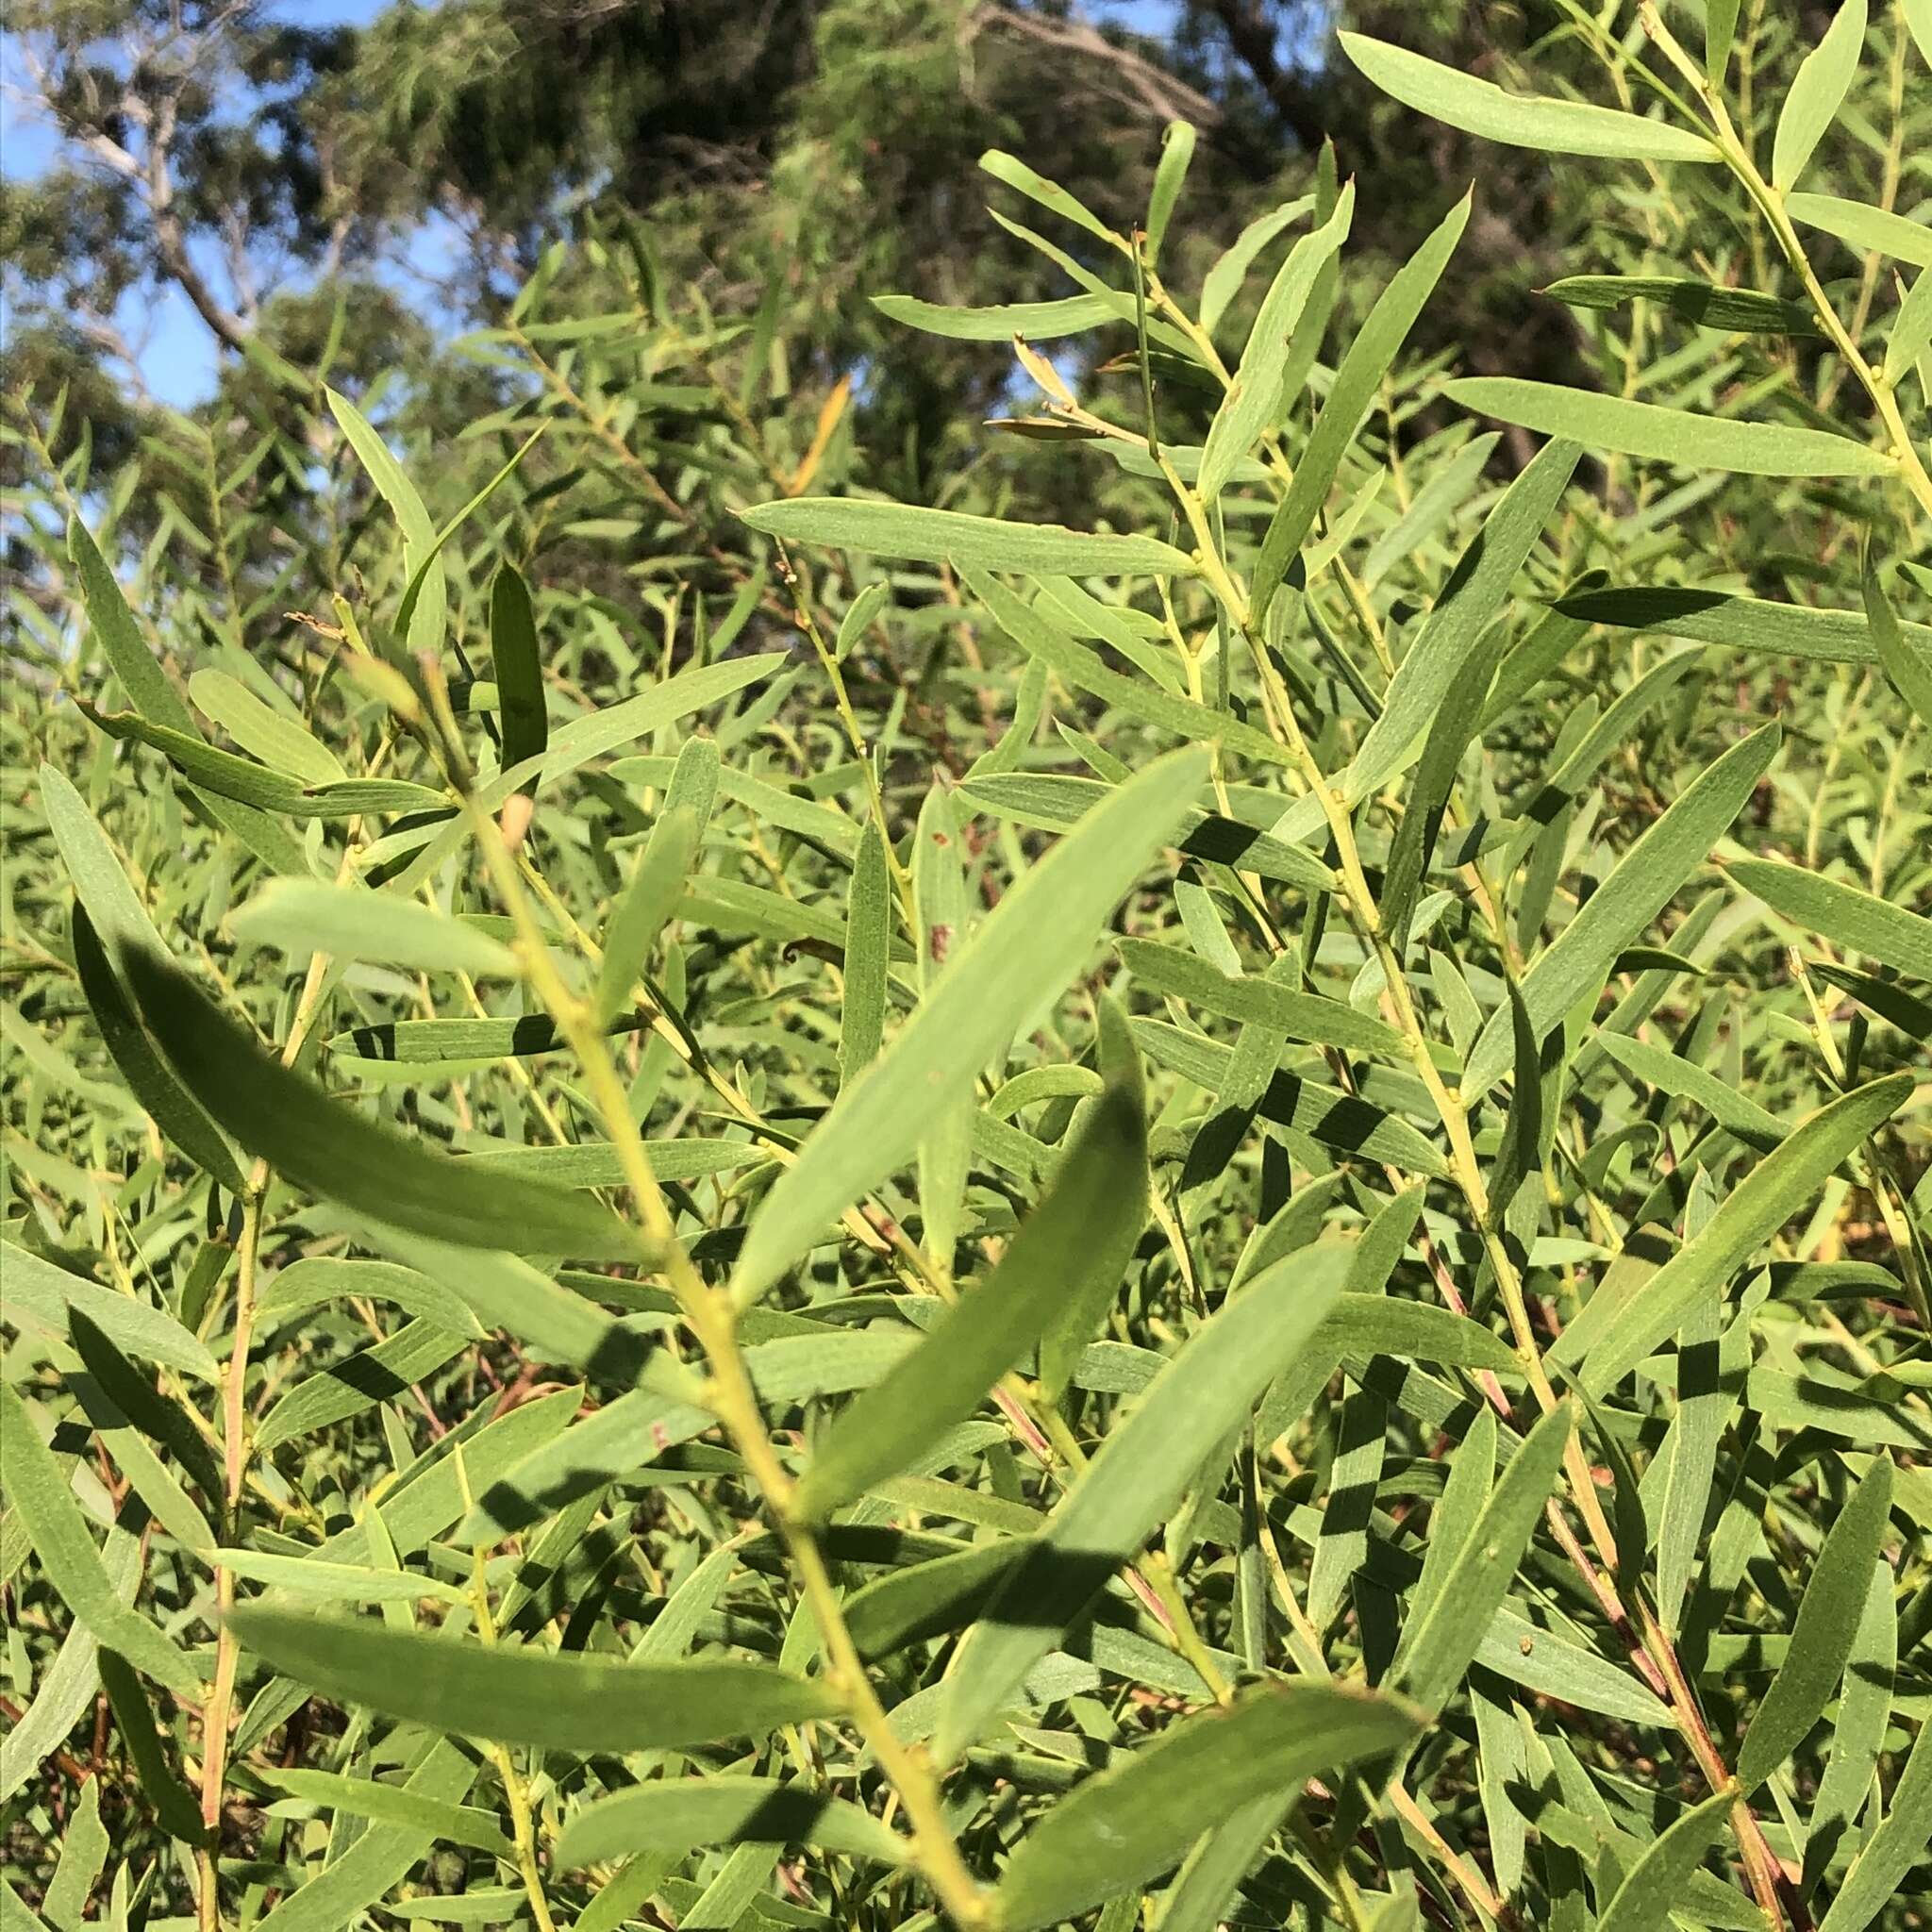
{"x": 171, "y": 241}
{"x": 1139, "y": 85}
{"x": 150, "y": 174}
{"x": 1251, "y": 34}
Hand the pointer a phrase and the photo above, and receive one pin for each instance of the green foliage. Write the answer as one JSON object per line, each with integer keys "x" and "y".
{"x": 746, "y": 1190}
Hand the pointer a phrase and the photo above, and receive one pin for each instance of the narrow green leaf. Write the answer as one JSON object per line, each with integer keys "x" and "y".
{"x": 1720, "y": 32}
{"x": 15, "y": 1913}
{"x": 1035, "y": 322}
{"x": 115, "y": 630}
{"x": 519, "y": 666}
{"x": 1056, "y": 802}
{"x": 156, "y": 700}
{"x": 939, "y": 898}
{"x": 1295, "y": 1015}
{"x": 1601, "y": 1348}
{"x": 685, "y": 1814}
{"x": 66, "y": 1689}
{"x": 1672, "y": 1074}
{"x": 1908, "y": 659}
{"x": 166, "y": 1101}
{"x": 1520, "y": 1149}
{"x": 51, "y": 1297}
{"x": 648, "y": 901}
{"x": 426, "y": 594}
{"x": 1876, "y": 230}
{"x": 504, "y": 1290}
{"x": 558, "y": 1702}
{"x": 83, "y": 1853}
{"x": 1451, "y": 1522}
{"x": 1858, "y": 1737}
{"x": 1529, "y": 1654}
{"x": 304, "y": 916}
{"x": 239, "y": 780}
{"x": 1129, "y": 1823}
{"x": 601, "y": 1163}
{"x": 1911, "y": 330}
{"x": 157, "y": 1415}
{"x": 1252, "y": 403}
{"x": 1049, "y": 195}
{"x": 1821, "y": 1638}
{"x": 1896, "y": 1845}
{"x": 384, "y": 471}
{"x": 1176, "y": 150}
{"x": 860, "y": 614}
{"x": 598, "y": 732}
{"x": 928, "y": 1599}
{"x": 431, "y": 1493}
{"x": 1816, "y": 93}
{"x": 619, "y": 1439}
{"x": 1204, "y": 1889}
{"x": 1455, "y": 724}
{"x": 1432, "y": 507}
{"x": 119, "y": 1417}
{"x": 322, "y": 1145}
{"x": 1358, "y": 382}
{"x": 993, "y": 1324}
{"x": 1856, "y": 920}
{"x": 37, "y": 1486}
{"x": 1414, "y": 1332}
{"x": 1665, "y": 435}
{"x": 1030, "y": 946}
{"x": 431, "y": 1043}
{"x": 177, "y": 1809}
{"x": 261, "y": 730}
{"x": 1654, "y": 1886}
{"x": 1343, "y": 1121}
{"x": 1028, "y": 627}
{"x": 1223, "y": 282}
{"x": 1745, "y": 623}
{"x": 1554, "y": 127}
{"x": 369, "y": 1797}
{"x": 1142, "y": 1469}
{"x": 1093, "y": 1274}
{"x": 1642, "y": 882}
{"x": 1708, "y": 304}
{"x": 369, "y": 1376}
{"x": 1889, "y": 1001}
{"x": 379, "y": 1859}
{"x": 1451, "y": 1628}
{"x": 868, "y": 949}
{"x": 942, "y": 536}
{"x": 1918, "y": 16}
{"x": 111, "y": 910}
{"x": 327, "y": 1582}
{"x": 1470, "y": 601}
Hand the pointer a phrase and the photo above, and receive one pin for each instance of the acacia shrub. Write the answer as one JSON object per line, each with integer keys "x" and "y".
{"x": 1218, "y": 1218}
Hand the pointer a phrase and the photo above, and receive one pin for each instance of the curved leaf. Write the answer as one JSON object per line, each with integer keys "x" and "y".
{"x": 943, "y": 535}
{"x": 1554, "y": 127}
{"x": 558, "y": 1702}
{"x": 1022, "y": 957}
{"x": 1665, "y": 435}
{"x": 322, "y": 1145}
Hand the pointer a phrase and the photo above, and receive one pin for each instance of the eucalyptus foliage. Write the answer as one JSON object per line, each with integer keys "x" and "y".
{"x": 745, "y": 1205}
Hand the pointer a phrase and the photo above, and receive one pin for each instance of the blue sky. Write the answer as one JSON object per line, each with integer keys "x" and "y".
{"x": 176, "y": 351}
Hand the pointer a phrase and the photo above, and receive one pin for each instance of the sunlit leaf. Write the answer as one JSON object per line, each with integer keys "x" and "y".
{"x": 561, "y": 1702}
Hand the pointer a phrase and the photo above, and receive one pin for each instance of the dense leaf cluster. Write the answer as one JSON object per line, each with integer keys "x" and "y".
{"x": 733, "y": 1203}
